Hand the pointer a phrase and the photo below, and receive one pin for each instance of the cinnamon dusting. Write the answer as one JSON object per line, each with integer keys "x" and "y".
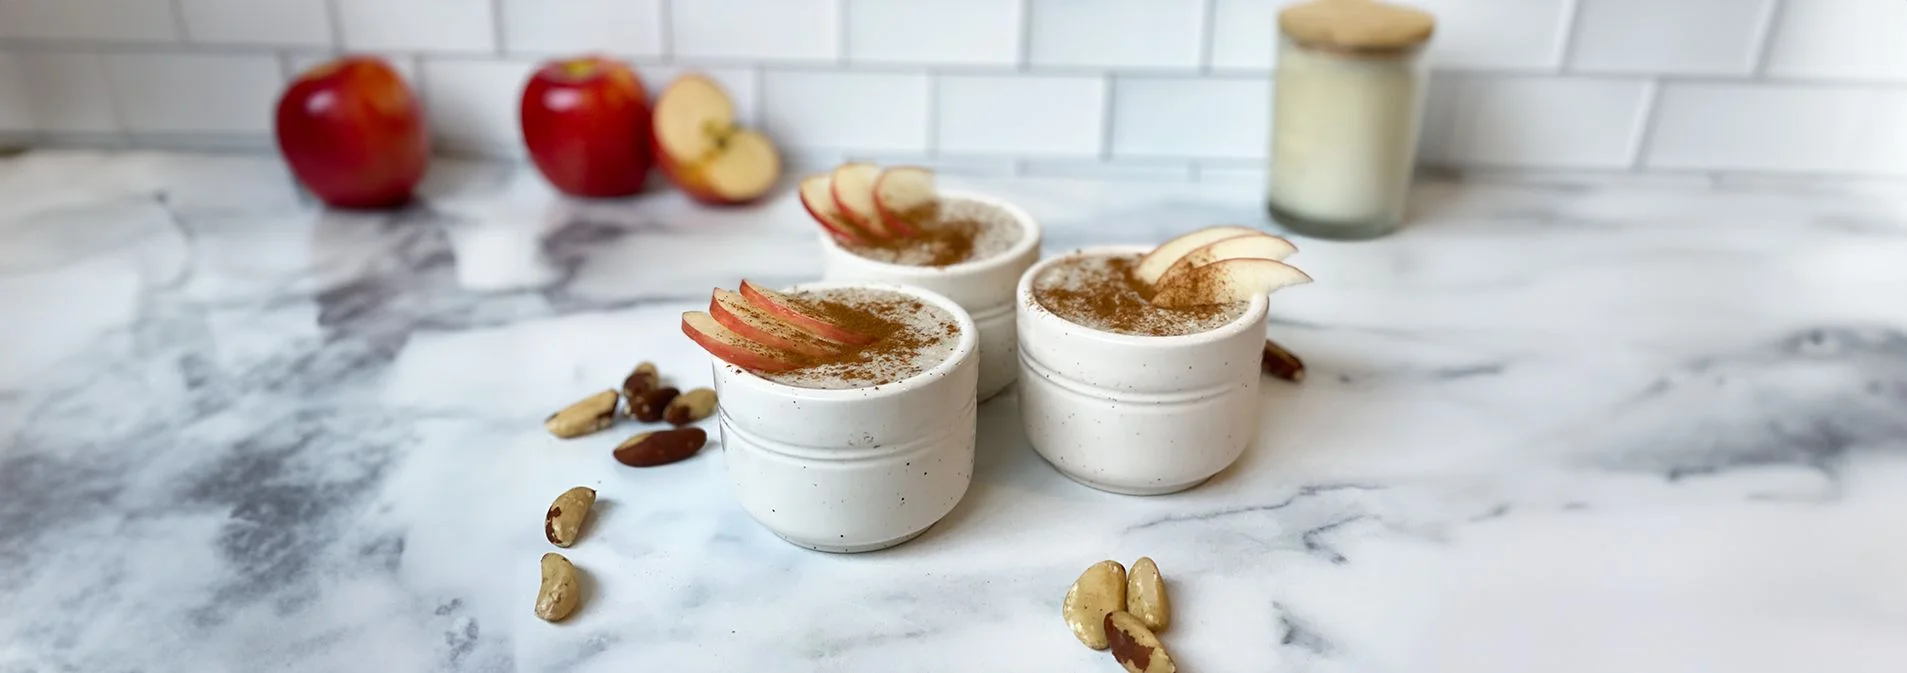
{"x": 910, "y": 338}
{"x": 963, "y": 231}
{"x": 1101, "y": 293}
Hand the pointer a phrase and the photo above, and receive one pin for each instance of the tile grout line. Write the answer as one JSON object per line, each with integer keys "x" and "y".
{"x": 1023, "y": 60}
{"x": 1765, "y": 39}
{"x": 496, "y": 27}
{"x": 1645, "y": 131}
{"x": 1207, "y": 29}
{"x": 114, "y": 106}
{"x": 665, "y": 19}
{"x": 1105, "y": 118}
{"x": 334, "y": 16}
{"x": 841, "y": 32}
{"x": 1572, "y": 19}
{"x": 933, "y": 114}
{"x": 178, "y": 21}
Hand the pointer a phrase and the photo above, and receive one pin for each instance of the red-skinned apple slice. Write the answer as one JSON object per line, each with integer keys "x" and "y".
{"x": 1228, "y": 281}
{"x": 733, "y": 311}
{"x": 852, "y": 185}
{"x": 787, "y": 309}
{"x": 1236, "y": 247}
{"x": 703, "y": 151}
{"x": 1154, "y": 264}
{"x": 819, "y": 200}
{"x": 905, "y": 199}
{"x": 730, "y": 347}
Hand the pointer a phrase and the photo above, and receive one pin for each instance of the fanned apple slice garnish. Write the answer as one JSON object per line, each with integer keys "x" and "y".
{"x": 1236, "y": 247}
{"x": 1154, "y": 264}
{"x": 730, "y": 347}
{"x": 1227, "y": 281}
{"x": 791, "y": 311}
{"x": 906, "y": 199}
{"x": 818, "y": 197}
{"x": 853, "y": 190}
{"x": 735, "y": 312}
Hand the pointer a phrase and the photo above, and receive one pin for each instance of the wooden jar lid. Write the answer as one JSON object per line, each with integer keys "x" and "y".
{"x": 1356, "y": 25}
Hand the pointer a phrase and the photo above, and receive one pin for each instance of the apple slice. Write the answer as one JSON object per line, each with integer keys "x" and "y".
{"x": 703, "y": 151}
{"x": 749, "y": 322}
{"x": 817, "y": 197}
{"x": 853, "y": 190}
{"x": 785, "y": 308}
{"x": 732, "y": 348}
{"x": 1236, "y": 247}
{"x": 1155, "y": 263}
{"x": 905, "y": 199}
{"x": 1228, "y": 281}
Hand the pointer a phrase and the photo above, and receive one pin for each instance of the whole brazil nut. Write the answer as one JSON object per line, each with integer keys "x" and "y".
{"x": 560, "y": 592}
{"x": 1134, "y": 646}
{"x": 1145, "y": 595}
{"x": 649, "y": 407}
{"x": 639, "y": 382}
{"x": 593, "y": 413}
{"x": 690, "y": 407}
{"x": 564, "y": 521}
{"x": 661, "y": 447}
{"x": 1099, "y": 590}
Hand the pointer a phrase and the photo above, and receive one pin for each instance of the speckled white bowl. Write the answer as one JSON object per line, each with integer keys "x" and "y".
{"x": 984, "y": 287}
{"x": 1139, "y": 415}
{"x": 857, "y": 469}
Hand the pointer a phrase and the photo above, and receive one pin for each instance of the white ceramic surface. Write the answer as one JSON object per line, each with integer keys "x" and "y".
{"x": 984, "y": 287}
{"x": 1139, "y": 415}
{"x": 857, "y": 469}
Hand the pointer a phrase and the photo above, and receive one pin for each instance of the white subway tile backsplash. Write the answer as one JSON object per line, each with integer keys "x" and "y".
{"x": 1028, "y": 116}
{"x": 70, "y": 93}
{"x": 801, "y": 30}
{"x": 875, "y": 112}
{"x": 1700, "y": 37}
{"x": 740, "y": 84}
{"x": 1245, "y": 33}
{"x": 1498, "y": 34}
{"x": 1184, "y": 117}
{"x": 945, "y": 164}
{"x": 108, "y": 20}
{"x": 1171, "y": 171}
{"x": 195, "y": 93}
{"x": 1116, "y": 33}
{"x": 16, "y": 116}
{"x": 1779, "y": 128}
{"x": 473, "y": 104}
{"x": 1841, "y": 40}
{"x": 417, "y": 25}
{"x": 404, "y": 64}
{"x": 954, "y": 32}
{"x": 1541, "y": 121}
{"x": 303, "y": 23}
{"x": 632, "y": 27}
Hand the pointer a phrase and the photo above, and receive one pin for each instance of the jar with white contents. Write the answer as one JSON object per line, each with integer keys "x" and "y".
{"x": 1348, "y": 98}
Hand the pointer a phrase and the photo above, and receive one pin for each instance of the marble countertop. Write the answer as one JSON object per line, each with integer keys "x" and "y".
{"x": 1552, "y": 426}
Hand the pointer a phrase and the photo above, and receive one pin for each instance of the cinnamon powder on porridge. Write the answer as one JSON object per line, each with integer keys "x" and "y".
{"x": 1100, "y": 292}
{"x": 910, "y": 338}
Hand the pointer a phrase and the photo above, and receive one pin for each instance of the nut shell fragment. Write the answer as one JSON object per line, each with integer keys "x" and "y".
{"x": 1145, "y": 595}
{"x": 564, "y": 520}
{"x": 560, "y": 592}
{"x": 589, "y": 415}
{"x": 1134, "y": 646}
{"x": 690, "y": 407}
{"x": 1281, "y": 363}
{"x": 1098, "y": 591}
{"x": 661, "y": 447}
{"x": 639, "y": 382}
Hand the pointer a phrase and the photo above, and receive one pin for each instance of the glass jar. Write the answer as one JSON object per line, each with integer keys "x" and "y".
{"x": 1346, "y": 115}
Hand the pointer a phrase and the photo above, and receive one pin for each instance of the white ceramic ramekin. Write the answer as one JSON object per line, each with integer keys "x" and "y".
{"x": 1139, "y": 415}
{"x": 857, "y": 469}
{"x": 983, "y": 287}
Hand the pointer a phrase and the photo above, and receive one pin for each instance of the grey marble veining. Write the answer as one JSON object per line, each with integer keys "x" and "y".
{"x": 1551, "y": 426}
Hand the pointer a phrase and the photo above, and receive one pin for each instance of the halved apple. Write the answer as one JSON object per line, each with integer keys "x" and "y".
{"x": 818, "y": 198}
{"x": 906, "y": 200}
{"x": 852, "y": 185}
{"x": 1155, "y": 263}
{"x": 704, "y": 152}
{"x": 732, "y": 348}
{"x": 1236, "y": 247}
{"x": 1227, "y": 281}
{"x": 733, "y": 311}
{"x": 787, "y": 309}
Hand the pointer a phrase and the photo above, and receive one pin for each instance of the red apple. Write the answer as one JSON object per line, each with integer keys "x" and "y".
{"x": 818, "y": 199}
{"x": 586, "y": 124}
{"x": 704, "y": 152}
{"x": 852, "y": 187}
{"x": 787, "y": 309}
{"x": 905, "y": 199}
{"x": 1237, "y": 247}
{"x": 1155, "y": 263}
{"x": 354, "y": 134}
{"x": 732, "y": 348}
{"x": 1227, "y": 281}
{"x": 750, "y": 322}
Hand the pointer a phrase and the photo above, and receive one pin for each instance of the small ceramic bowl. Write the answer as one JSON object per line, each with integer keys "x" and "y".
{"x": 983, "y": 287}
{"x": 857, "y": 469}
{"x": 1139, "y": 415}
